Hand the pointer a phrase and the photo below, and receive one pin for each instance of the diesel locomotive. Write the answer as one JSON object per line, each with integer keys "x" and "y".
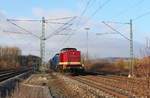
{"x": 69, "y": 59}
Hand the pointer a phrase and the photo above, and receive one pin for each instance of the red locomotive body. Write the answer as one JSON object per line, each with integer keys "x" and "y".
{"x": 70, "y": 59}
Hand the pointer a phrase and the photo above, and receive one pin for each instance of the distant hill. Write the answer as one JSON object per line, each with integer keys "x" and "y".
{"x": 113, "y": 59}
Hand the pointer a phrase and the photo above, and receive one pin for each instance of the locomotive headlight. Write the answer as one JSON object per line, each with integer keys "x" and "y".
{"x": 80, "y": 67}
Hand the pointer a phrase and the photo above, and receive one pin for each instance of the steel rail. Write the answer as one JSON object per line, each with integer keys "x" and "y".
{"x": 95, "y": 85}
{"x": 6, "y": 75}
{"x": 127, "y": 85}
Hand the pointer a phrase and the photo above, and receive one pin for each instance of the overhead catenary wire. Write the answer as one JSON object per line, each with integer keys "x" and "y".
{"x": 57, "y": 31}
{"x": 106, "y": 33}
{"x": 39, "y": 19}
{"x": 42, "y": 38}
{"x": 95, "y": 12}
{"x": 116, "y": 30}
{"x": 116, "y": 22}
{"x": 62, "y": 28}
{"x": 14, "y": 32}
{"x": 86, "y": 7}
{"x": 139, "y": 2}
{"x": 131, "y": 71}
{"x": 24, "y": 29}
{"x": 10, "y": 36}
{"x": 22, "y": 20}
{"x": 62, "y": 18}
{"x": 62, "y": 42}
{"x": 17, "y": 33}
{"x": 57, "y": 23}
{"x": 65, "y": 41}
{"x": 141, "y": 16}
{"x": 100, "y": 7}
{"x": 83, "y": 12}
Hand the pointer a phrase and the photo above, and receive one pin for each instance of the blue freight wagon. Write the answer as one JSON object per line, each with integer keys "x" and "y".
{"x": 55, "y": 61}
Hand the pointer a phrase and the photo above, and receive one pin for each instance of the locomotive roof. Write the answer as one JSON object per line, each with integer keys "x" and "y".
{"x": 57, "y": 54}
{"x": 64, "y": 49}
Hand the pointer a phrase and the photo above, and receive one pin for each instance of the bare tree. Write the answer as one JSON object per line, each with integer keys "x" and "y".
{"x": 9, "y": 57}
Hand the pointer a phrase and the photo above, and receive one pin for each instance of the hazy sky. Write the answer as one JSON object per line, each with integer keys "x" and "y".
{"x": 100, "y": 46}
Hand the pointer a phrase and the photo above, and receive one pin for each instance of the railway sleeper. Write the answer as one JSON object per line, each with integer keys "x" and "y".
{"x": 118, "y": 89}
{"x": 135, "y": 88}
{"x": 107, "y": 91}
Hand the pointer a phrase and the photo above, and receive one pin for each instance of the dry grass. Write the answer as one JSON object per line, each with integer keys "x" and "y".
{"x": 142, "y": 66}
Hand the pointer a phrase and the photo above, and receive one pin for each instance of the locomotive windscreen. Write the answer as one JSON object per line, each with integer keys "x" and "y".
{"x": 66, "y": 49}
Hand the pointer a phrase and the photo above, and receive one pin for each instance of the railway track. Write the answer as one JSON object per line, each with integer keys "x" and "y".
{"x": 10, "y": 78}
{"x": 4, "y": 71}
{"x": 4, "y": 75}
{"x": 121, "y": 87}
{"x": 135, "y": 86}
{"x": 106, "y": 89}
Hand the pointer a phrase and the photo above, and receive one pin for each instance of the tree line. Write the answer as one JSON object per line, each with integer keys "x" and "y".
{"x": 141, "y": 66}
{"x": 9, "y": 57}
